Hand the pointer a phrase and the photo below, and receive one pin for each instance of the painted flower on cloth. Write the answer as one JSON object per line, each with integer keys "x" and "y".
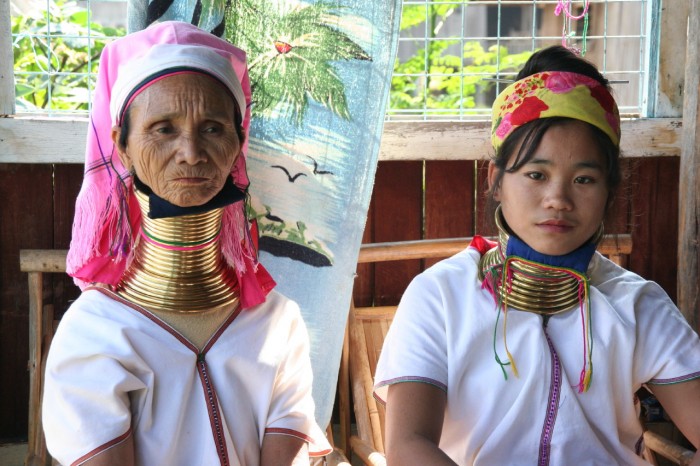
{"x": 606, "y": 101}
{"x": 563, "y": 82}
{"x": 526, "y": 107}
{"x": 504, "y": 126}
{"x": 530, "y": 109}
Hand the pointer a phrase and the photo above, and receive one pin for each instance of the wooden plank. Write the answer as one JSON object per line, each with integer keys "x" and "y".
{"x": 343, "y": 397}
{"x": 398, "y": 202}
{"x": 655, "y": 221}
{"x": 366, "y": 453}
{"x": 618, "y": 218}
{"x": 363, "y": 287}
{"x": 668, "y": 449}
{"x": 33, "y": 140}
{"x": 468, "y": 140}
{"x": 668, "y": 94}
{"x": 337, "y": 458}
{"x": 366, "y": 414}
{"x": 26, "y": 222}
{"x": 449, "y": 200}
{"x": 67, "y": 181}
{"x": 375, "y": 312}
{"x": 38, "y": 454}
{"x": 689, "y": 185}
{"x": 42, "y": 260}
{"x": 7, "y": 76}
{"x": 485, "y": 206}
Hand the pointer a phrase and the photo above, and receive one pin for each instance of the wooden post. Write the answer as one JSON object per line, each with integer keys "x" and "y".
{"x": 36, "y": 454}
{"x": 666, "y": 97}
{"x": 7, "y": 76}
{"x": 689, "y": 183}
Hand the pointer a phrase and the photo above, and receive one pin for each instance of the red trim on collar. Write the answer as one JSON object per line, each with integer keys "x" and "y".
{"x": 482, "y": 244}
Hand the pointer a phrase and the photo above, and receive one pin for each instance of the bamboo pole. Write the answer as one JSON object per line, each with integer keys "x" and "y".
{"x": 36, "y": 454}
{"x": 689, "y": 183}
{"x": 337, "y": 458}
{"x": 369, "y": 456}
{"x": 42, "y": 260}
{"x": 366, "y": 413}
{"x": 610, "y": 245}
{"x": 668, "y": 449}
{"x": 344, "y": 395}
{"x": 7, "y": 76}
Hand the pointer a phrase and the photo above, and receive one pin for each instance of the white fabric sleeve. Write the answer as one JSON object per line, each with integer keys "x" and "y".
{"x": 85, "y": 406}
{"x": 415, "y": 348}
{"x": 291, "y": 410}
{"x": 668, "y": 350}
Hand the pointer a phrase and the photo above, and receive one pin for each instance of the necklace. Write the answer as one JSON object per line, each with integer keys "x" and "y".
{"x": 177, "y": 264}
{"x": 530, "y": 286}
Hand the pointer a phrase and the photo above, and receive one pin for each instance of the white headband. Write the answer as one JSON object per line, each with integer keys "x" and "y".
{"x": 164, "y": 57}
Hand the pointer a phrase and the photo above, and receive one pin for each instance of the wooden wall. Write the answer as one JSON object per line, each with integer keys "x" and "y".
{"x": 36, "y": 213}
{"x": 37, "y": 210}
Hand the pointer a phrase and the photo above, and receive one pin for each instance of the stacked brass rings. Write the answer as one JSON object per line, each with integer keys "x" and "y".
{"x": 177, "y": 264}
{"x": 528, "y": 286}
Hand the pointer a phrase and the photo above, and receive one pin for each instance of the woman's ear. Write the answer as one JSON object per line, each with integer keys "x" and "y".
{"x": 121, "y": 151}
{"x": 494, "y": 186}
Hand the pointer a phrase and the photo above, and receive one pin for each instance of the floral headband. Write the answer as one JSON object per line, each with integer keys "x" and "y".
{"x": 554, "y": 94}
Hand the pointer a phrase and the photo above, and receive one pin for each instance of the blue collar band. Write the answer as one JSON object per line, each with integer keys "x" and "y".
{"x": 577, "y": 260}
{"x": 160, "y": 208}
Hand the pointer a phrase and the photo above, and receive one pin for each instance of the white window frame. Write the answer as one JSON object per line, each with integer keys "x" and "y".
{"x": 31, "y": 139}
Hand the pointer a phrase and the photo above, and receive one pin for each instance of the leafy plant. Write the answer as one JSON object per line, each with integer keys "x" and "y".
{"x": 443, "y": 75}
{"x": 54, "y": 57}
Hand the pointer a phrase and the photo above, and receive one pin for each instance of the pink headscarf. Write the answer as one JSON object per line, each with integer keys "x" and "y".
{"x": 106, "y": 212}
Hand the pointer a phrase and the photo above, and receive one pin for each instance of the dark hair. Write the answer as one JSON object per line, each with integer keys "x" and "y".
{"x": 555, "y": 58}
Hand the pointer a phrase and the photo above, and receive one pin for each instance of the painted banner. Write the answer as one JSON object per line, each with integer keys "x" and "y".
{"x": 320, "y": 73}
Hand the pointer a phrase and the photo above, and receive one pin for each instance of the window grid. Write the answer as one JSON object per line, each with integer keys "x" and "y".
{"x": 460, "y": 91}
{"x": 628, "y": 81}
{"x": 48, "y": 38}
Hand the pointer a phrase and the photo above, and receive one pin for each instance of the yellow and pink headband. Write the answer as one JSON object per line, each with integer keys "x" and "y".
{"x": 554, "y": 94}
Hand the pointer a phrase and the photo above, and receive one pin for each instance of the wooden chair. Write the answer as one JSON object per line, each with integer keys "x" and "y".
{"x": 41, "y": 329}
{"x": 367, "y": 327}
{"x": 37, "y": 262}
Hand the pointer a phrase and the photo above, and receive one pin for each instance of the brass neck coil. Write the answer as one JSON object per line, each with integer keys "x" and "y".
{"x": 530, "y": 287}
{"x": 178, "y": 265}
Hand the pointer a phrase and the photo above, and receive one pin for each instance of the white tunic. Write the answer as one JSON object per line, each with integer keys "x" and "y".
{"x": 115, "y": 370}
{"x": 443, "y": 334}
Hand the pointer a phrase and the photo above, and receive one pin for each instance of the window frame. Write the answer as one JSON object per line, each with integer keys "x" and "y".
{"x": 32, "y": 139}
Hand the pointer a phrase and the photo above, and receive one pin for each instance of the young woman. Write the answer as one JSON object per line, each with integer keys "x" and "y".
{"x": 530, "y": 350}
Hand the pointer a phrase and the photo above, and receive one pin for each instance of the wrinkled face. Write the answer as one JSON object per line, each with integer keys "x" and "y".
{"x": 556, "y": 201}
{"x": 182, "y": 139}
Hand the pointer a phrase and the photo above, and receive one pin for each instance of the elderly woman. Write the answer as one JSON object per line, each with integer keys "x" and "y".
{"x": 177, "y": 351}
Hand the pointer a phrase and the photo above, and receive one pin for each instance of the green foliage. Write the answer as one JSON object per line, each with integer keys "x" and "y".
{"x": 51, "y": 72}
{"x": 444, "y": 76}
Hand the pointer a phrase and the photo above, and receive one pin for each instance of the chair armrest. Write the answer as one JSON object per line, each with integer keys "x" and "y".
{"x": 366, "y": 453}
{"x": 336, "y": 458}
{"x": 667, "y": 448}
